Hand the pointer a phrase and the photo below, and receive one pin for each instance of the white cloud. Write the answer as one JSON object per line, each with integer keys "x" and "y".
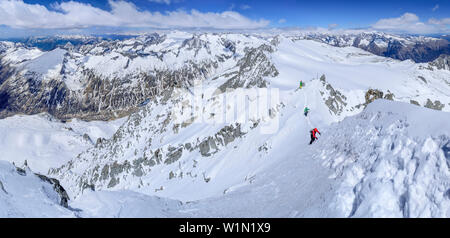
{"x": 410, "y": 23}
{"x": 160, "y": 1}
{"x": 443, "y": 21}
{"x": 332, "y": 26}
{"x": 282, "y": 20}
{"x": 435, "y": 7}
{"x": 69, "y": 15}
{"x": 245, "y": 7}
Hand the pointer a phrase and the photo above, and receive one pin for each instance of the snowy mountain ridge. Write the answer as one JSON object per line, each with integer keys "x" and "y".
{"x": 111, "y": 79}
{"x": 177, "y": 153}
{"x": 108, "y": 79}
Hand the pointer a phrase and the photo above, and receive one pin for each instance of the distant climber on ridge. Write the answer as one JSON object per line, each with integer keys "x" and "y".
{"x": 306, "y": 111}
{"x": 313, "y": 135}
{"x": 301, "y": 84}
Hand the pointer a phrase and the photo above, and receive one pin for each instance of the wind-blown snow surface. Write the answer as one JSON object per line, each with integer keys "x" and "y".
{"x": 393, "y": 161}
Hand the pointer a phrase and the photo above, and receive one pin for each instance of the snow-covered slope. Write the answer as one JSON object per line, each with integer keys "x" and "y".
{"x": 46, "y": 142}
{"x": 394, "y": 161}
{"x": 154, "y": 155}
{"x": 401, "y": 47}
{"x": 350, "y": 73}
{"x": 24, "y": 194}
{"x": 129, "y": 204}
{"x": 185, "y": 164}
{"x": 383, "y": 162}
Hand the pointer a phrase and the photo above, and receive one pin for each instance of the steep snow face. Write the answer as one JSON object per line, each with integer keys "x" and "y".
{"x": 23, "y": 194}
{"x": 48, "y": 65}
{"x": 46, "y": 142}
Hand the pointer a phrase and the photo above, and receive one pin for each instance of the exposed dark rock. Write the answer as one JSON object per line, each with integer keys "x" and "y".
{"x": 372, "y": 95}
{"x": 172, "y": 175}
{"x": 336, "y": 101}
{"x": 113, "y": 182}
{"x": 3, "y": 188}
{"x": 389, "y": 96}
{"x": 64, "y": 198}
{"x": 188, "y": 146}
{"x": 173, "y": 155}
{"x": 88, "y": 186}
{"x": 223, "y": 137}
{"x": 423, "y": 79}
{"x": 437, "y": 105}
{"x": 446, "y": 150}
{"x": 206, "y": 146}
{"x": 99, "y": 142}
{"x": 414, "y": 102}
{"x": 253, "y": 67}
{"x": 87, "y": 138}
{"x": 21, "y": 171}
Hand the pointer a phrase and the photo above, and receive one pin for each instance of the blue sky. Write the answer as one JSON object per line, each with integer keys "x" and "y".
{"x": 410, "y": 16}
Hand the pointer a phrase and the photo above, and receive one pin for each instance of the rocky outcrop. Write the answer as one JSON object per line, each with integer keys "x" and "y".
{"x": 64, "y": 198}
{"x": 2, "y": 188}
{"x": 414, "y": 102}
{"x": 101, "y": 99}
{"x": 436, "y": 105}
{"x": 373, "y": 94}
{"x": 109, "y": 172}
{"x": 334, "y": 100}
{"x": 443, "y": 62}
{"x": 222, "y": 138}
{"x": 253, "y": 68}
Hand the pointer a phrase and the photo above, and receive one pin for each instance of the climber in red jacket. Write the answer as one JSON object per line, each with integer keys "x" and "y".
{"x": 313, "y": 135}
